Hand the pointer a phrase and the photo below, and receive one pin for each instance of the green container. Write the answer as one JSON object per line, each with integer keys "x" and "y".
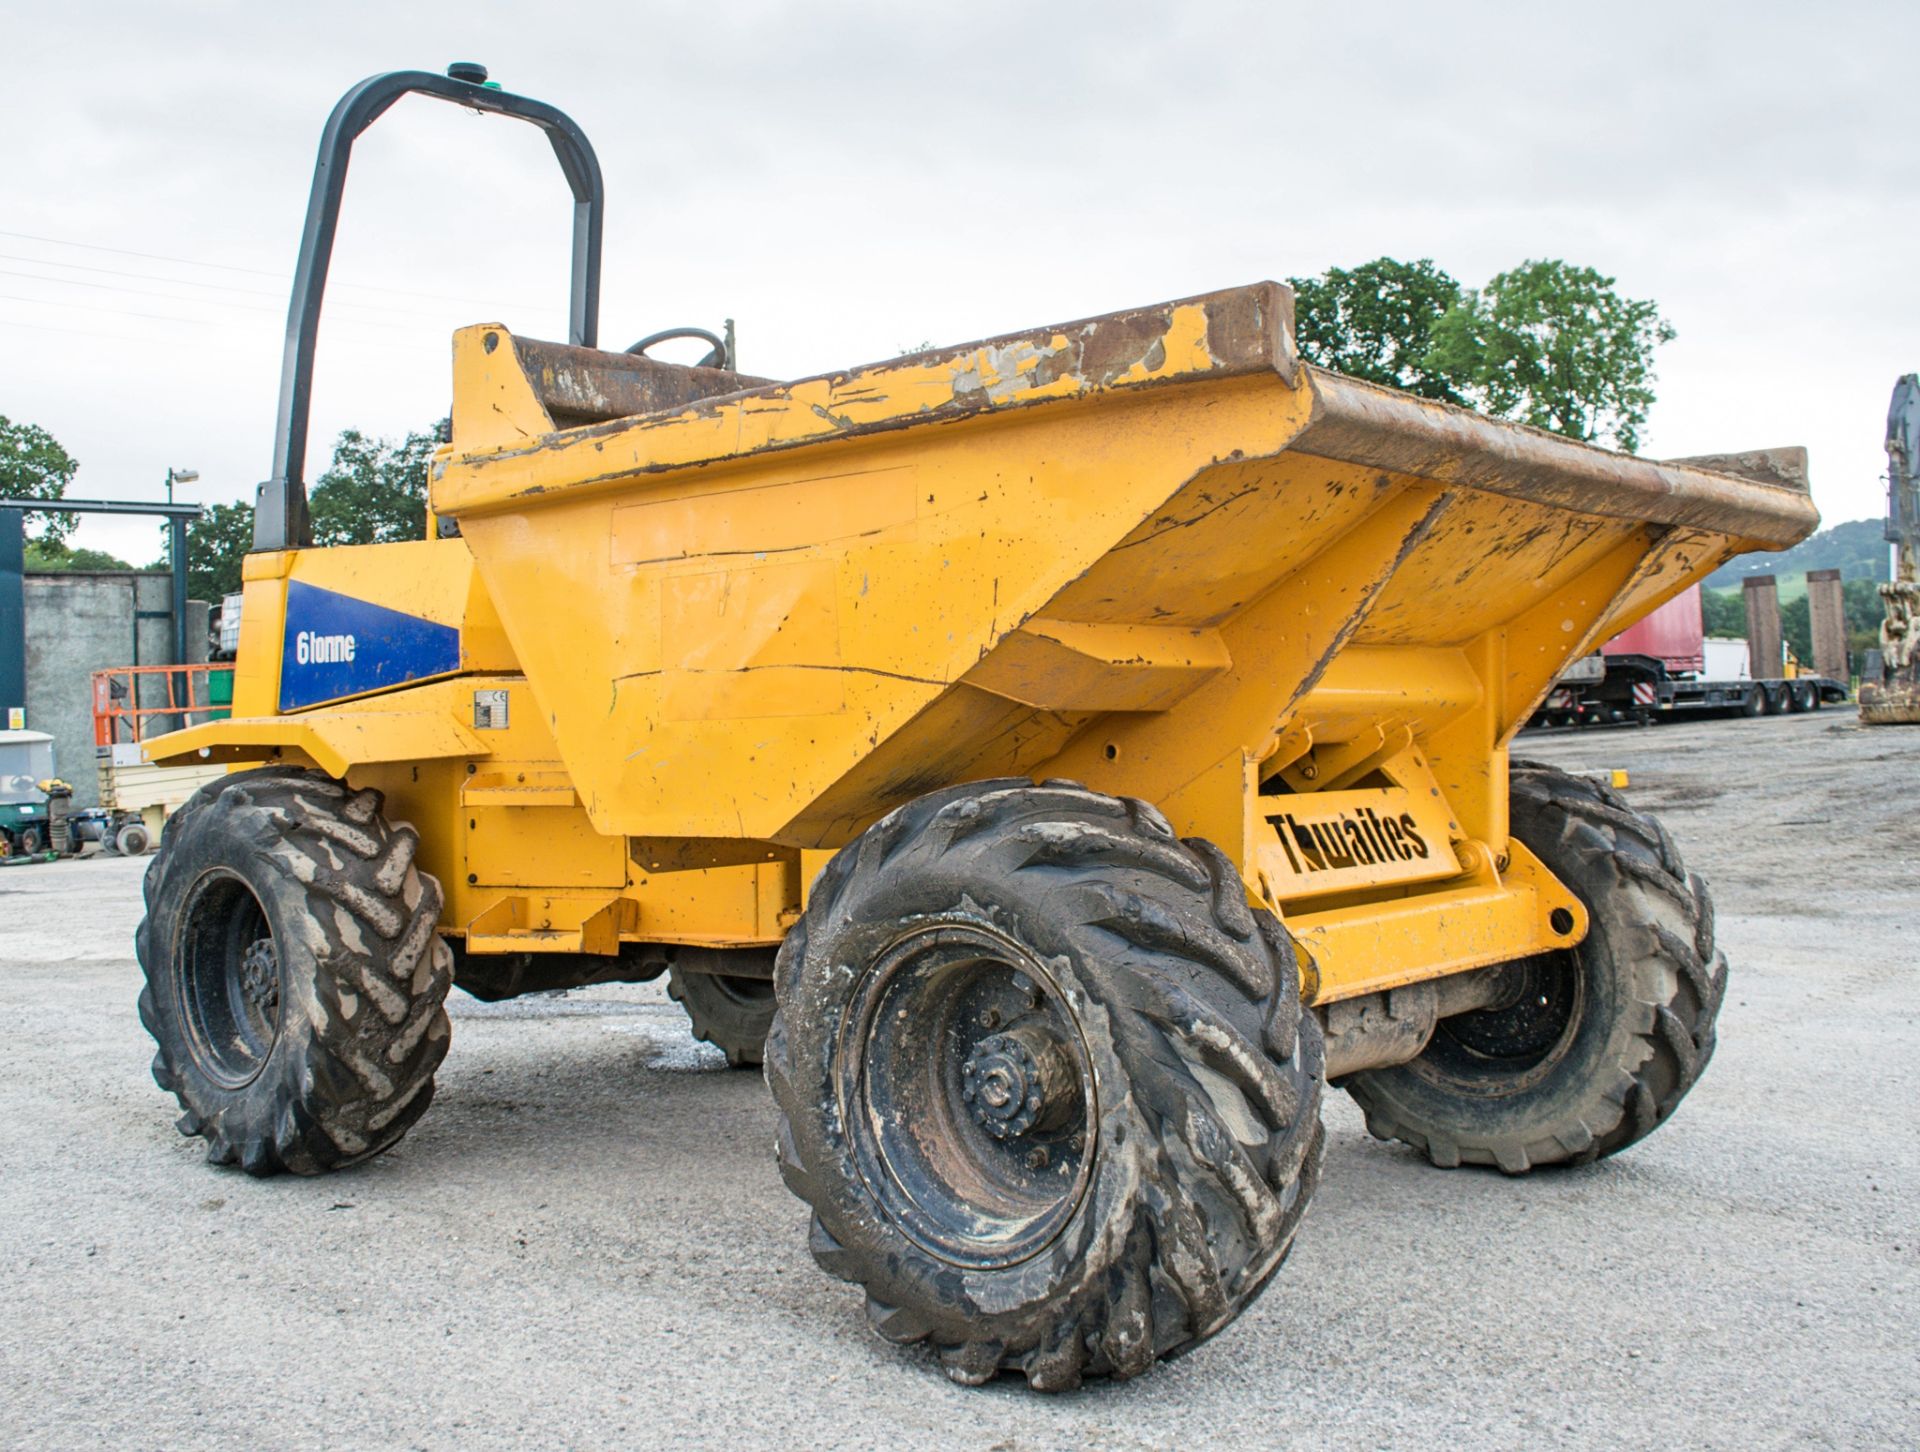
{"x": 220, "y": 687}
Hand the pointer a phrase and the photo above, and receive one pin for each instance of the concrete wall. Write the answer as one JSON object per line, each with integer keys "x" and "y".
{"x": 78, "y": 623}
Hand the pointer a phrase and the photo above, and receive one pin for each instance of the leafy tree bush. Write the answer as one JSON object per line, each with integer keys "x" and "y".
{"x": 1547, "y": 344}
{"x": 1376, "y": 321}
{"x": 217, "y": 544}
{"x": 1726, "y": 614}
{"x": 34, "y": 466}
{"x": 374, "y": 491}
{"x": 1553, "y": 345}
{"x": 49, "y": 556}
{"x": 1723, "y": 612}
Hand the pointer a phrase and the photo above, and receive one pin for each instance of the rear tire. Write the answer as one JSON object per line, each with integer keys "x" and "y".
{"x": 732, "y": 1012}
{"x": 1602, "y": 1040}
{"x": 295, "y": 980}
{"x": 131, "y": 840}
{"x": 30, "y": 841}
{"x": 1045, "y": 1081}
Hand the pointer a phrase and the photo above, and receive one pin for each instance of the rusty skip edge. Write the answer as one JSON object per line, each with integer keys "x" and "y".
{"x": 1761, "y": 496}
{"x": 587, "y": 386}
{"x": 1249, "y": 330}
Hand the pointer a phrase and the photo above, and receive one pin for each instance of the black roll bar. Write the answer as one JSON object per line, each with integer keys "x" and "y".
{"x": 280, "y": 519}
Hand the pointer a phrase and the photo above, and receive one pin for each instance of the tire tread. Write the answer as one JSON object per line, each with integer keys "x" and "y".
{"x": 364, "y": 1074}
{"x": 1623, "y": 862}
{"x": 1191, "y": 974}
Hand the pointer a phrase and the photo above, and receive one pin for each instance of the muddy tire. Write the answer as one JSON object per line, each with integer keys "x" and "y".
{"x": 295, "y": 983}
{"x": 1045, "y": 1081}
{"x": 730, "y": 1011}
{"x": 1599, "y": 1042}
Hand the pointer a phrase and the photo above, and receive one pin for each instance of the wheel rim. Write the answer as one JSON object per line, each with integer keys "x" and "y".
{"x": 969, "y": 1094}
{"x": 228, "y": 976}
{"x": 1509, "y": 1048}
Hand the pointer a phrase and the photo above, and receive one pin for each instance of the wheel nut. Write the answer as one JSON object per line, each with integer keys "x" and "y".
{"x": 1036, "y": 1158}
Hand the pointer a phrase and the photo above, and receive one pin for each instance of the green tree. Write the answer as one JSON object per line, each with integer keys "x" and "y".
{"x": 50, "y": 556}
{"x": 1726, "y": 614}
{"x": 1555, "y": 346}
{"x": 34, "y": 466}
{"x": 1723, "y": 612}
{"x": 217, "y": 543}
{"x": 374, "y": 491}
{"x": 1796, "y": 624}
{"x": 1375, "y": 322}
{"x": 1864, "y": 611}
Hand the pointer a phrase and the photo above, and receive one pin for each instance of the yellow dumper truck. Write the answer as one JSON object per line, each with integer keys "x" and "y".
{"x": 1057, "y": 757}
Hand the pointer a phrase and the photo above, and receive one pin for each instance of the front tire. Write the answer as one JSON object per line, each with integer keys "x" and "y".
{"x": 1045, "y": 1081}
{"x": 1598, "y": 1042}
{"x": 295, "y": 980}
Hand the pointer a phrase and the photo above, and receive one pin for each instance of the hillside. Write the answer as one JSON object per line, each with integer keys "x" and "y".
{"x": 1857, "y": 549}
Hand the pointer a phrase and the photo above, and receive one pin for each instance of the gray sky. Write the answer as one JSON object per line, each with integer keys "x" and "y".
{"x": 848, "y": 180}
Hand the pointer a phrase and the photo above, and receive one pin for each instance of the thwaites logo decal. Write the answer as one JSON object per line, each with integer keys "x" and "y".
{"x": 1324, "y": 842}
{"x": 336, "y": 645}
{"x": 1362, "y": 838}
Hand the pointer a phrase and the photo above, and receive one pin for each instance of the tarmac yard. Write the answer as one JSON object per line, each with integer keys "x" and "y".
{"x": 585, "y": 1243}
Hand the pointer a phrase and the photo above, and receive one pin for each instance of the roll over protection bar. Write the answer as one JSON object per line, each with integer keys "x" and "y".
{"x": 280, "y": 519}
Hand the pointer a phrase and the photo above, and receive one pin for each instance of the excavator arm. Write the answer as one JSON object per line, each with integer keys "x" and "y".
{"x": 1893, "y": 698}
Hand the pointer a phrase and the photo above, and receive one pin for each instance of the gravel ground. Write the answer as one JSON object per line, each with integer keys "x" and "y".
{"x": 585, "y": 1242}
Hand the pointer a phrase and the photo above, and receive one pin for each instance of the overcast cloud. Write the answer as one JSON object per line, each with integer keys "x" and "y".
{"x": 849, "y": 180}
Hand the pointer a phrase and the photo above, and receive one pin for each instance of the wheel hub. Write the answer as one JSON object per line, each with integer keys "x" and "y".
{"x": 260, "y": 976}
{"x": 974, "y": 1095}
{"x": 226, "y": 971}
{"x": 1017, "y": 1081}
{"x": 1505, "y": 1048}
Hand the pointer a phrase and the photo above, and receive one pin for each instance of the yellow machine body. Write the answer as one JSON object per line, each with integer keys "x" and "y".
{"x": 695, "y": 631}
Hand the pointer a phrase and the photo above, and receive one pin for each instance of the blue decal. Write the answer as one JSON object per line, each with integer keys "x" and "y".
{"x": 338, "y": 646}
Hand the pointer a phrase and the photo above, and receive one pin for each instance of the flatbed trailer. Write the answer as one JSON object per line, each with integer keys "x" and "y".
{"x": 1665, "y": 665}
{"x": 1642, "y": 690}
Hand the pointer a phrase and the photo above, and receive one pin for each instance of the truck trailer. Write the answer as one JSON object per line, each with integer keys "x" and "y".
{"x": 1666, "y": 666}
